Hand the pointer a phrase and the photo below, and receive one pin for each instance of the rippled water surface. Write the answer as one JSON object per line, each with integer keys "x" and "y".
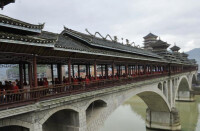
{"x": 131, "y": 116}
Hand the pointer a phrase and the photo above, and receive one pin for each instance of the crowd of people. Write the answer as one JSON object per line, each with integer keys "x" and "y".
{"x": 10, "y": 86}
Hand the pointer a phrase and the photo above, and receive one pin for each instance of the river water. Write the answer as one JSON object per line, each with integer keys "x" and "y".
{"x": 131, "y": 116}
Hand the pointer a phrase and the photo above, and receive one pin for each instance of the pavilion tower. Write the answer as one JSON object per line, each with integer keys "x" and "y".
{"x": 175, "y": 48}
{"x": 148, "y": 40}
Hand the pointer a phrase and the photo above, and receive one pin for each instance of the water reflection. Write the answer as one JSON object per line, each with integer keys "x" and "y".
{"x": 131, "y": 116}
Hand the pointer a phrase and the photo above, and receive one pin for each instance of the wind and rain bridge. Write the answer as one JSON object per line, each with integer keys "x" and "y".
{"x": 90, "y": 77}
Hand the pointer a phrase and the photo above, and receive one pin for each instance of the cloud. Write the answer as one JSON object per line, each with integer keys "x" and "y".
{"x": 175, "y": 21}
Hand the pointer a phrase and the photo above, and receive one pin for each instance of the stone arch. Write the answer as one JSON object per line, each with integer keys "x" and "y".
{"x": 183, "y": 84}
{"x": 183, "y": 90}
{"x": 93, "y": 109}
{"x": 8, "y": 124}
{"x": 93, "y": 100}
{"x": 53, "y": 111}
{"x": 160, "y": 86}
{"x": 62, "y": 120}
{"x": 155, "y": 101}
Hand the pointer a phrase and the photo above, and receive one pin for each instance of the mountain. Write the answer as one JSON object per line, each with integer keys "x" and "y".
{"x": 195, "y": 54}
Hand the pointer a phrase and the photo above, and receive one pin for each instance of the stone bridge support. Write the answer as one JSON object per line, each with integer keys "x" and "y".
{"x": 163, "y": 120}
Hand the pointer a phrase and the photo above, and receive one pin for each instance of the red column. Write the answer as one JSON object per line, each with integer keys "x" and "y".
{"x": 30, "y": 74}
{"x": 145, "y": 69}
{"x": 113, "y": 70}
{"x": 95, "y": 70}
{"x": 59, "y": 69}
{"x": 78, "y": 71}
{"x": 73, "y": 70}
{"x": 52, "y": 75}
{"x": 21, "y": 75}
{"x": 69, "y": 70}
{"x": 86, "y": 66}
{"x": 24, "y": 68}
{"x": 106, "y": 71}
{"x": 101, "y": 70}
{"x": 126, "y": 70}
{"x": 35, "y": 71}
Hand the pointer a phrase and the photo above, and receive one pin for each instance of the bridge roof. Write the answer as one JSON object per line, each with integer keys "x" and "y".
{"x": 8, "y": 24}
{"x": 66, "y": 42}
{"x": 108, "y": 44}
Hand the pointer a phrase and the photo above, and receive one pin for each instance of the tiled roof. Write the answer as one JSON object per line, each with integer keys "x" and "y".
{"x": 175, "y": 48}
{"x": 150, "y": 35}
{"x": 76, "y": 45}
{"x": 160, "y": 44}
{"x": 108, "y": 44}
{"x": 8, "y": 37}
{"x": 6, "y": 21}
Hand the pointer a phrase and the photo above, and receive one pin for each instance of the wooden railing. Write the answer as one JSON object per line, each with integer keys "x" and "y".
{"x": 11, "y": 99}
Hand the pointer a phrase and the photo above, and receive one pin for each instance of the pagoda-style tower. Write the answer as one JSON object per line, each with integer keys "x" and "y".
{"x": 159, "y": 46}
{"x": 149, "y": 39}
{"x": 175, "y": 48}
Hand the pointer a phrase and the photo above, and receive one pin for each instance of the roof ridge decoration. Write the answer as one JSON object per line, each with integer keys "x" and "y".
{"x": 12, "y": 21}
{"x": 111, "y": 39}
{"x": 105, "y": 38}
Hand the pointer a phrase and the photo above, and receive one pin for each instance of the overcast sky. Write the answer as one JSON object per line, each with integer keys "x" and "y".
{"x": 174, "y": 21}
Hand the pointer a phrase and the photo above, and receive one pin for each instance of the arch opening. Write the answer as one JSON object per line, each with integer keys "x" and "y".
{"x": 94, "y": 110}
{"x": 13, "y": 128}
{"x": 194, "y": 80}
{"x": 160, "y": 86}
{"x": 154, "y": 101}
{"x": 63, "y": 120}
{"x": 183, "y": 85}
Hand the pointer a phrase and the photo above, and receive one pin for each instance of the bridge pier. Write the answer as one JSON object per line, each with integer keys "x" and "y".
{"x": 163, "y": 120}
{"x": 187, "y": 96}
